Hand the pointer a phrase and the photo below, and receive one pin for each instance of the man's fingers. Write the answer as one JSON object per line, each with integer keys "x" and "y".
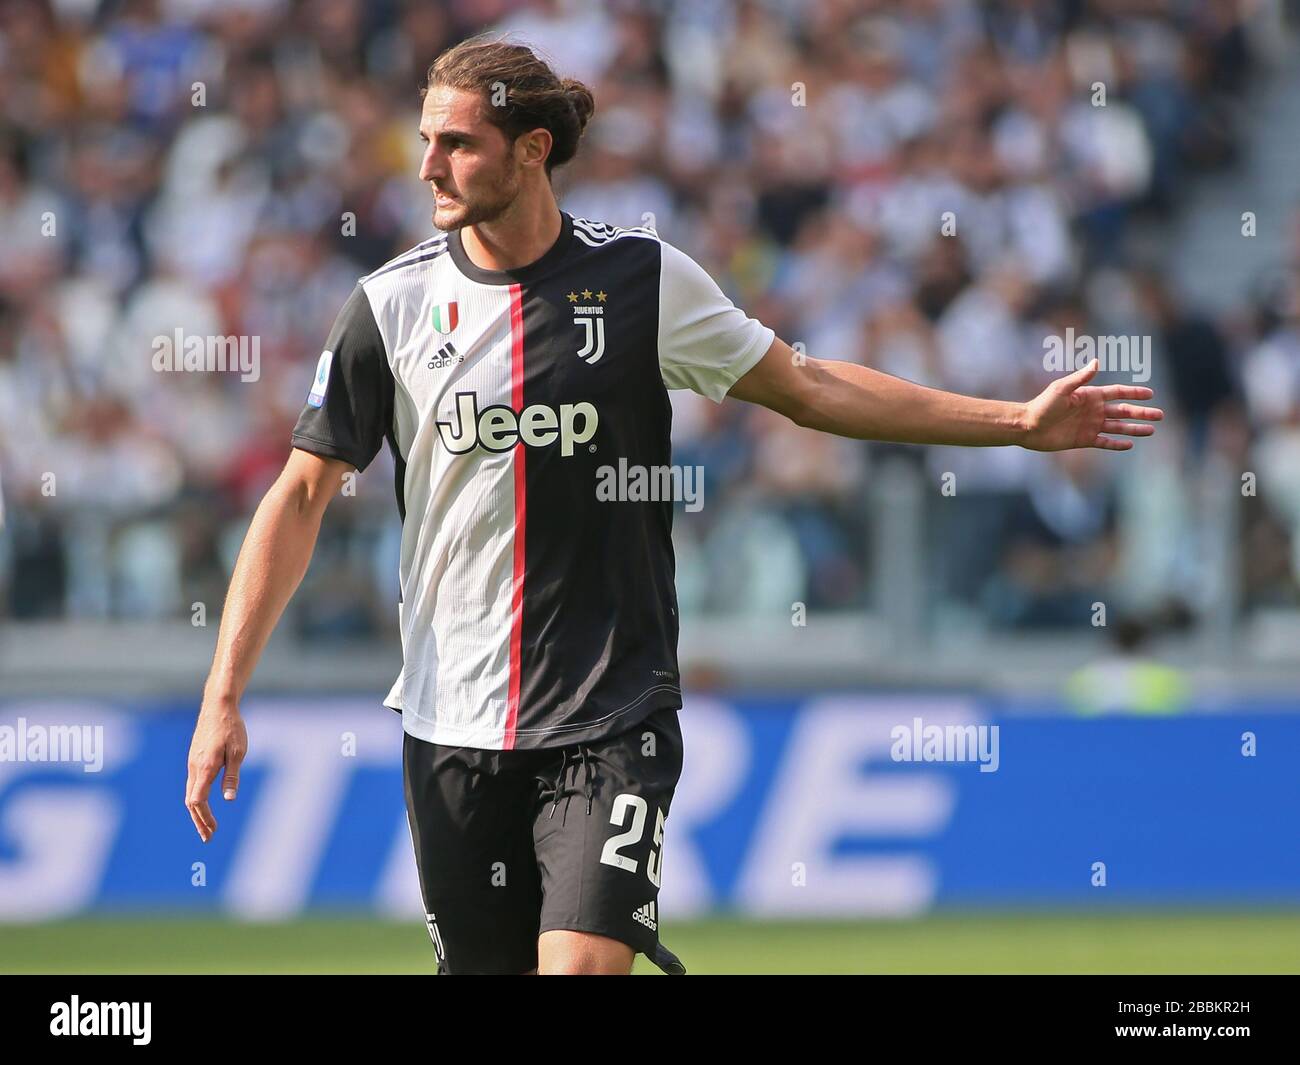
{"x": 201, "y": 815}
{"x": 1127, "y": 428}
{"x": 230, "y": 782}
{"x": 1109, "y": 392}
{"x": 1128, "y": 410}
{"x": 1107, "y": 443}
{"x": 204, "y": 822}
{"x": 1076, "y": 380}
{"x": 201, "y": 776}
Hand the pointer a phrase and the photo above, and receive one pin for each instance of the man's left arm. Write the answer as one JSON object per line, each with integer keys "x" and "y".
{"x": 855, "y": 401}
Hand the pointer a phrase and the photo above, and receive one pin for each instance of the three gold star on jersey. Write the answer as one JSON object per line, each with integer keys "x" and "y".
{"x": 586, "y": 295}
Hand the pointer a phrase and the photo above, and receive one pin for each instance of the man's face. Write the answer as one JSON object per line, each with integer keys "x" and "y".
{"x": 468, "y": 162}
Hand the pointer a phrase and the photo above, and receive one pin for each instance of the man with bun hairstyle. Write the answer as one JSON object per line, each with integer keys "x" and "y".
{"x": 507, "y": 360}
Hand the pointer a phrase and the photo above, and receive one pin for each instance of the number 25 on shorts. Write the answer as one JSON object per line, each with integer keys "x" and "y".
{"x": 638, "y": 807}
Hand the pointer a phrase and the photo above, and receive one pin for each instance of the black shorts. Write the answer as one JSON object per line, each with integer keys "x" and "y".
{"x": 510, "y": 844}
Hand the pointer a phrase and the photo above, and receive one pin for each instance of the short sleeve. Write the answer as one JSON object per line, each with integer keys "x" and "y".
{"x": 706, "y": 342}
{"x": 350, "y": 406}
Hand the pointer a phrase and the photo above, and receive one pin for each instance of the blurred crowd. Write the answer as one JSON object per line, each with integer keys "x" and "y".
{"x": 930, "y": 187}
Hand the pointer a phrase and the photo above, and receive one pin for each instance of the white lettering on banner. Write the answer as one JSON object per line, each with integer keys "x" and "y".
{"x": 60, "y": 835}
{"x": 297, "y": 804}
{"x": 398, "y": 892}
{"x": 707, "y": 786}
{"x": 812, "y": 778}
{"x": 822, "y": 794}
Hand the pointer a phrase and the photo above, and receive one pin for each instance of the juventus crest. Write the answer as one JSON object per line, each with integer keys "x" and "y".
{"x": 590, "y": 317}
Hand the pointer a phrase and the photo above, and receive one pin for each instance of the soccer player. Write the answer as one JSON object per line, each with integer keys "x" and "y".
{"x": 505, "y": 361}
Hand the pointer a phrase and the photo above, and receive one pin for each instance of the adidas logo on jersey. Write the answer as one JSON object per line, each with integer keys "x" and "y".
{"x": 498, "y": 428}
{"x": 646, "y": 916}
{"x": 447, "y": 356}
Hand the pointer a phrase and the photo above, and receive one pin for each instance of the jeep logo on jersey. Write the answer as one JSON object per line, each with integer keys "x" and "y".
{"x": 498, "y": 428}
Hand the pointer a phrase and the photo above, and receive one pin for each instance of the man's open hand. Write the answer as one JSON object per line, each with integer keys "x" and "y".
{"x": 1070, "y": 413}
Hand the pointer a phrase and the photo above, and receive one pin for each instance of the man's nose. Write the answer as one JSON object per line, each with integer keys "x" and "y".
{"x": 433, "y": 165}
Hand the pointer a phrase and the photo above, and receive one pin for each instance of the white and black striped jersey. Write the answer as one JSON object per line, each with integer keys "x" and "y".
{"x": 533, "y": 613}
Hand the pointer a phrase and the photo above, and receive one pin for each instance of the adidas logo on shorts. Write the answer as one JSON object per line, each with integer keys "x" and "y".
{"x": 431, "y": 923}
{"x": 646, "y": 915}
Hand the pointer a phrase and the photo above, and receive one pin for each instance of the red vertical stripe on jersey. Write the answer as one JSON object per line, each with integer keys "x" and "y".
{"x": 517, "y": 596}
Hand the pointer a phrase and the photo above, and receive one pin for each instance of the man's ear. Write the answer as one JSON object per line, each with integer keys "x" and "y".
{"x": 533, "y": 148}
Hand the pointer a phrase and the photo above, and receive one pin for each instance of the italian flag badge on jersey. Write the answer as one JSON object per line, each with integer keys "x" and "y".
{"x": 445, "y": 317}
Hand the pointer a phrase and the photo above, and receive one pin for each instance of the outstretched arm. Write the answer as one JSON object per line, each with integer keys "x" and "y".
{"x": 855, "y": 401}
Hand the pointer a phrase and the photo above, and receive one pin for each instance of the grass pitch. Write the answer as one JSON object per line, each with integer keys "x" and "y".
{"x": 1179, "y": 942}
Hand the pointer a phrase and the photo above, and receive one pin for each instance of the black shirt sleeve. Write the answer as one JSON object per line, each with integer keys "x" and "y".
{"x": 350, "y": 406}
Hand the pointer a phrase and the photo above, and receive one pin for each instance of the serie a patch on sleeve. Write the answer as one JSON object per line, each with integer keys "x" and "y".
{"x": 321, "y": 382}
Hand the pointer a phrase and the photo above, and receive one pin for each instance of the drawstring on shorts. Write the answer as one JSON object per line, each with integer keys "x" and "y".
{"x": 561, "y": 790}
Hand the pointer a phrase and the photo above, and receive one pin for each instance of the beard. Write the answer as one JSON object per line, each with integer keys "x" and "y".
{"x": 485, "y": 205}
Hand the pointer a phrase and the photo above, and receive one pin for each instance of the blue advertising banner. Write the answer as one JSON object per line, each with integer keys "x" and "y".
{"x": 846, "y": 804}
